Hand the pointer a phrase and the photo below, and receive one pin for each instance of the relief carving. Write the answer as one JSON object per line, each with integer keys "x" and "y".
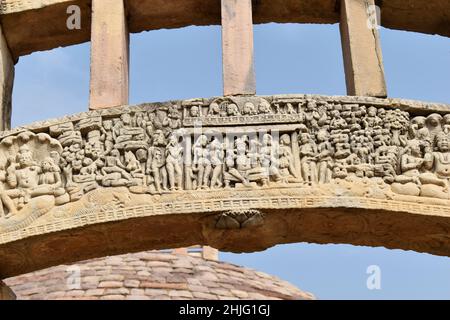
{"x": 225, "y": 144}
{"x": 238, "y": 219}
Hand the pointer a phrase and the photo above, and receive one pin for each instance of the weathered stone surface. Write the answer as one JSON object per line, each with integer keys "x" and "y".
{"x": 109, "y": 55}
{"x": 36, "y": 25}
{"x": 255, "y": 284}
{"x": 363, "y": 61}
{"x": 263, "y": 171}
{"x": 237, "y": 47}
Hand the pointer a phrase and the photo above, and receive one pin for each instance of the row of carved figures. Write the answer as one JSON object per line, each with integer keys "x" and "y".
{"x": 149, "y": 153}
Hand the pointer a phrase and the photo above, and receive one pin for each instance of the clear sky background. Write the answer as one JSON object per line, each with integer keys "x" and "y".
{"x": 290, "y": 58}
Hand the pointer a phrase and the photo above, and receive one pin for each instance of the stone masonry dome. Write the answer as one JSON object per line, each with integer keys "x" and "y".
{"x": 238, "y": 172}
{"x": 152, "y": 275}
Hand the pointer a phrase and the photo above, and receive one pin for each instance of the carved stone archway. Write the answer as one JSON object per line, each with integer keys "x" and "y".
{"x": 240, "y": 174}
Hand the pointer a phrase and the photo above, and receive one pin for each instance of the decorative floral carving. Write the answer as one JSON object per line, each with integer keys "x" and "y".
{"x": 237, "y": 219}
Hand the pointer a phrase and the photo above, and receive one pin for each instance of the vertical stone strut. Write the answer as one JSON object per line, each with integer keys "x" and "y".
{"x": 109, "y": 54}
{"x": 237, "y": 47}
{"x": 363, "y": 62}
{"x": 210, "y": 253}
{"x": 7, "y": 82}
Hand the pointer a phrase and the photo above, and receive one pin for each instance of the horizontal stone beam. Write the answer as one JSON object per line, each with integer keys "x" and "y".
{"x": 261, "y": 171}
{"x": 37, "y": 25}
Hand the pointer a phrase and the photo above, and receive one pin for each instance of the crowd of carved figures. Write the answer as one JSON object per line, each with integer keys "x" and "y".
{"x": 150, "y": 151}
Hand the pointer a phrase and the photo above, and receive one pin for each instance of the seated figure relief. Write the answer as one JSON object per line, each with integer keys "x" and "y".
{"x": 241, "y": 170}
{"x": 30, "y": 170}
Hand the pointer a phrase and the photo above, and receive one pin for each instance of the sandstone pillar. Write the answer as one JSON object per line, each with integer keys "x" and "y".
{"x": 6, "y": 293}
{"x": 7, "y": 81}
{"x": 237, "y": 47}
{"x": 363, "y": 60}
{"x": 109, "y": 54}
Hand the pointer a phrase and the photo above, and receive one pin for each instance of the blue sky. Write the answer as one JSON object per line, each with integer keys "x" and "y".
{"x": 290, "y": 58}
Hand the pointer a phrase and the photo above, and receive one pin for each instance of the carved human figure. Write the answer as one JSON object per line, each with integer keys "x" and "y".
{"x": 114, "y": 172}
{"x": 286, "y": 166}
{"x": 278, "y": 108}
{"x": 446, "y": 123}
{"x": 269, "y": 154}
{"x": 249, "y": 109}
{"x": 362, "y": 145}
{"x": 23, "y": 176}
{"x": 173, "y": 120}
{"x": 441, "y": 157}
{"x": 232, "y": 110}
{"x": 290, "y": 108}
{"x": 418, "y": 127}
{"x": 308, "y": 158}
{"x": 356, "y": 167}
{"x": 141, "y": 118}
{"x": 157, "y": 160}
{"x": 214, "y": 109}
{"x": 202, "y": 162}
{"x": 217, "y": 156}
{"x": 90, "y": 167}
{"x": 194, "y": 112}
{"x": 411, "y": 163}
{"x": 174, "y": 160}
{"x": 341, "y": 145}
{"x": 371, "y": 121}
{"x": 324, "y": 156}
{"x": 107, "y": 136}
{"x": 27, "y": 179}
{"x": 323, "y": 118}
{"x": 435, "y": 182}
{"x": 149, "y": 124}
{"x": 386, "y": 163}
{"x": 337, "y": 123}
{"x": 434, "y": 125}
{"x": 238, "y": 164}
{"x": 94, "y": 146}
{"x": 124, "y": 122}
{"x": 255, "y": 152}
{"x": 50, "y": 181}
{"x": 240, "y": 168}
{"x": 6, "y": 201}
{"x": 312, "y": 115}
{"x": 264, "y": 107}
{"x": 133, "y": 166}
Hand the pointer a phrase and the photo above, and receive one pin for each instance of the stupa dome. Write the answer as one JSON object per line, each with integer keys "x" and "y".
{"x": 152, "y": 275}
